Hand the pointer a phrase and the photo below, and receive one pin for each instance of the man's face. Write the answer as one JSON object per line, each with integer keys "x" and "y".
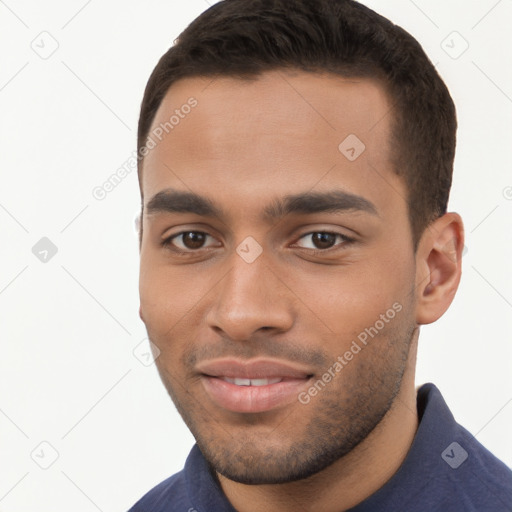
{"x": 283, "y": 303}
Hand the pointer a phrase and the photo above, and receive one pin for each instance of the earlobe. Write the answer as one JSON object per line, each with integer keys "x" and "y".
{"x": 438, "y": 267}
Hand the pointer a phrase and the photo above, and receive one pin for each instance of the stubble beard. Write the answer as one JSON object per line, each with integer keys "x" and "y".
{"x": 340, "y": 419}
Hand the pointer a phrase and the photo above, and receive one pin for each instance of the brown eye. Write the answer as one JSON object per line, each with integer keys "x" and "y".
{"x": 193, "y": 239}
{"x": 188, "y": 241}
{"x": 323, "y": 240}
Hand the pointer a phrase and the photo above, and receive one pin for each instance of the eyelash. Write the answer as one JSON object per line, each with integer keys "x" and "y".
{"x": 345, "y": 241}
{"x": 167, "y": 243}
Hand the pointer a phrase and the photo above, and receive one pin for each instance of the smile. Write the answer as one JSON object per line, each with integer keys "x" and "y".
{"x": 252, "y": 386}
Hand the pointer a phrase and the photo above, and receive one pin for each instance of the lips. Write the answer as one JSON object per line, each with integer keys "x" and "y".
{"x": 252, "y": 386}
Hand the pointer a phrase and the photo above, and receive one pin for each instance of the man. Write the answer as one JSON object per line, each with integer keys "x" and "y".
{"x": 295, "y": 167}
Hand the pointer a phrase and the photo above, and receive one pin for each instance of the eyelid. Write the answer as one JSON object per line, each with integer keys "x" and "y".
{"x": 167, "y": 242}
{"x": 186, "y": 227}
{"x": 346, "y": 240}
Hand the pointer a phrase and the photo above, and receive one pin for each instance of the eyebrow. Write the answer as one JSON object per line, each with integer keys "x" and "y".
{"x": 317, "y": 202}
{"x": 176, "y": 201}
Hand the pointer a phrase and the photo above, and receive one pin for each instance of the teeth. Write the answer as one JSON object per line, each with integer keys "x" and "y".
{"x": 252, "y": 382}
{"x": 242, "y": 382}
{"x": 265, "y": 382}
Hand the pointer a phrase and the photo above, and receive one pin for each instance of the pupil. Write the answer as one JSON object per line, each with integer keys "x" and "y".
{"x": 324, "y": 240}
{"x": 193, "y": 239}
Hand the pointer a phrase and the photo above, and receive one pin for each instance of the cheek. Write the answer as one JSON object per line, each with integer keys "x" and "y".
{"x": 172, "y": 298}
{"x": 164, "y": 307}
{"x": 348, "y": 300}
{"x": 163, "y": 297}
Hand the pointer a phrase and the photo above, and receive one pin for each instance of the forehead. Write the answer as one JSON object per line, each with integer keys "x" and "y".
{"x": 282, "y": 132}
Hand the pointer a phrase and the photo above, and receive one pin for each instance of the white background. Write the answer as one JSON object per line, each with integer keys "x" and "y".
{"x": 68, "y": 328}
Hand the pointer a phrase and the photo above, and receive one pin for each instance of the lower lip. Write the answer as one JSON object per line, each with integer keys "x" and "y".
{"x": 252, "y": 398}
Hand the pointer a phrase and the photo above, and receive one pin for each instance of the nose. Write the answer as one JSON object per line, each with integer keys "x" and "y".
{"x": 250, "y": 299}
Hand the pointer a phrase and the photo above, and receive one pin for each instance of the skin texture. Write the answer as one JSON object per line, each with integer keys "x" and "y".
{"x": 245, "y": 145}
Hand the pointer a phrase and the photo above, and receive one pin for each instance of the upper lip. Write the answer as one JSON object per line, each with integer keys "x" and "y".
{"x": 252, "y": 369}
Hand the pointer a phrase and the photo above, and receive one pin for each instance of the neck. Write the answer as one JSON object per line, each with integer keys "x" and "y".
{"x": 352, "y": 478}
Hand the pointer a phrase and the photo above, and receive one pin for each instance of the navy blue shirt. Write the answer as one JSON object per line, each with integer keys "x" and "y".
{"x": 446, "y": 469}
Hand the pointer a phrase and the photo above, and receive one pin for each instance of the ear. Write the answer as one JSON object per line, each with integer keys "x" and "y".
{"x": 438, "y": 267}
